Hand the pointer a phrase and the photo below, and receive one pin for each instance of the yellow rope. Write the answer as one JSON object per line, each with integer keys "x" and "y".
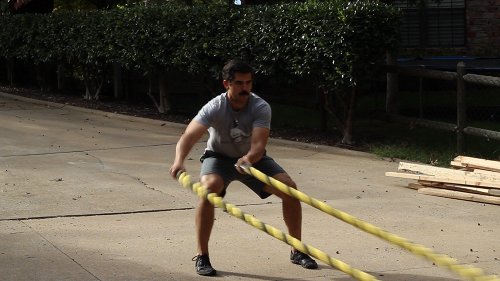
{"x": 218, "y": 201}
{"x": 467, "y": 272}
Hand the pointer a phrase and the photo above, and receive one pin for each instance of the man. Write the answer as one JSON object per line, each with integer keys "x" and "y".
{"x": 238, "y": 122}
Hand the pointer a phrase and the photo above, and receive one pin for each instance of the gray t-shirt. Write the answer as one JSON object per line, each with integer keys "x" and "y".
{"x": 230, "y": 131}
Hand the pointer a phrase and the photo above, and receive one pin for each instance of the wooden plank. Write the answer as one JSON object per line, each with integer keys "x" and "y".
{"x": 458, "y": 187}
{"x": 484, "y": 164}
{"x": 464, "y": 167}
{"x": 424, "y": 169}
{"x": 446, "y": 172}
{"x": 459, "y": 166}
{"x": 404, "y": 175}
{"x": 485, "y": 172}
{"x": 490, "y": 134}
{"x": 463, "y": 188}
{"x": 415, "y": 186}
{"x": 476, "y": 167}
{"x": 423, "y": 123}
{"x": 494, "y": 192}
{"x": 420, "y": 72}
{"x": 460, "y": 195}
{"x": 463, "y": 180}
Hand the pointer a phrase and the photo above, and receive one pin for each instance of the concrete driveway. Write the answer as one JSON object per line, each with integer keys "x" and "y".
{"x": 86, "y": 195}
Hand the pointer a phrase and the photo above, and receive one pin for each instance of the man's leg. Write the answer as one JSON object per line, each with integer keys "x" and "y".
{"x": 292, "y": 215}
{"x": 292, "y": 210}
{"x": 205, "y": 212}
{"x": 204, "y": 222}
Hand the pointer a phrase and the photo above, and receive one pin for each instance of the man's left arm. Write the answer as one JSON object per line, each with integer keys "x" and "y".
{"x": 259, "y": 139}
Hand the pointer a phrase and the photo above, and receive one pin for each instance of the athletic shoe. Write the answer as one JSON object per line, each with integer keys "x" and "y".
{"x": 203, "y": 266}
{"x": 302, "y": 259}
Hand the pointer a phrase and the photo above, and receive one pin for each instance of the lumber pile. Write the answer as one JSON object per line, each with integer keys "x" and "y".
{"x": 468, "y": 178}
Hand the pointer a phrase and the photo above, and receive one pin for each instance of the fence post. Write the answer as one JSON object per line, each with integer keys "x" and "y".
{"x": 420, "y": 95}
{"x": 461, "y": 108}
{"x": 392, "y": 87}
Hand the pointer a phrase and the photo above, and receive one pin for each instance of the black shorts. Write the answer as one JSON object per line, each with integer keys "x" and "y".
{"x": 215, "y": 163}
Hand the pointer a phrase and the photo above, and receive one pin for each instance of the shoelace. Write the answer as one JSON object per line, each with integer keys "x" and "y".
{"x": 200, "y": 260}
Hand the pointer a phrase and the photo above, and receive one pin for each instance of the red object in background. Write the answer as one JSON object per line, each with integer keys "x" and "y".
{"x": 31, "y": 6}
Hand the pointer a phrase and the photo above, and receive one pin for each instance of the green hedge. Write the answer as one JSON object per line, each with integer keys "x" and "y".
{"x": 333, "y": 43}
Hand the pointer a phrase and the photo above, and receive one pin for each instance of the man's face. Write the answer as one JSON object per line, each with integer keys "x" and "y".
{"x": 239, "y": 89}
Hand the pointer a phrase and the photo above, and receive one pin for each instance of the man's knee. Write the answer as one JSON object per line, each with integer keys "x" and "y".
{"x": 285, "y": 179}
{"x": 213, "y": 182}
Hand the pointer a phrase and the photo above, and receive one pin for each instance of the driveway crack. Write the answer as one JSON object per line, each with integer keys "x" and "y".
{"x": 61, "y": 251}
{"x": 117, "y": 213}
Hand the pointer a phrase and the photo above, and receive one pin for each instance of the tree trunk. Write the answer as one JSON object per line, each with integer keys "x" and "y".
{"x": 61, "y": 78}
{"x": 117, "y": 81}
{"x": 126, "y": 88}
{"x": 87, "y": 95}
{"x": 322, "y": 107}
{"x": 162, "y": 104}
{"x": 98, "y": 82}
{"x": 42, "y": 76}
{"x": 89, "y": 87}
{"x": 347, "y": 138}
{"x": 329, "y": 108}
{"x": 10, "y": 71}
{"x": 93, "y": 83}
{"x": 150, "y": 89}
{"x": 162, "y": 80}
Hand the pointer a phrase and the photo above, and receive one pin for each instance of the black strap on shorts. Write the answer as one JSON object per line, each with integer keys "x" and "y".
{"x": 210, "y": 154}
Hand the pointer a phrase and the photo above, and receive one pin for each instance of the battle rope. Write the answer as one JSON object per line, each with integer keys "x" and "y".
{"x": 218, "y": 201}
{"x": 468, "y": 272}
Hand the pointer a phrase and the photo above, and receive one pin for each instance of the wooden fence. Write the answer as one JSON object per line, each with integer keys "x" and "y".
{"x": 461, "y": 78}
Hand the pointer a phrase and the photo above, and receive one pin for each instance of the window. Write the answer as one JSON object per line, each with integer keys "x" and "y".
{"x": 436, "y": 23}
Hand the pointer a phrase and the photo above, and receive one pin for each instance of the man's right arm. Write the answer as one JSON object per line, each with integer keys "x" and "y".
{"x": 192, "y": 134}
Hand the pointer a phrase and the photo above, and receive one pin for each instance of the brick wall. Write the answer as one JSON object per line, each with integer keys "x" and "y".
{"x": 483, "y": 27}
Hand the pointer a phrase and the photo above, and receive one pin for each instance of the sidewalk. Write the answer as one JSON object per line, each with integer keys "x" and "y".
{"x": 86, "y": 195}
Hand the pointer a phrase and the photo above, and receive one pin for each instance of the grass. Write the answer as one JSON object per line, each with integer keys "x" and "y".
{"x": 396, "y": 140}
{"x": 401, "y": 141}
{"x": 431, "y": 148}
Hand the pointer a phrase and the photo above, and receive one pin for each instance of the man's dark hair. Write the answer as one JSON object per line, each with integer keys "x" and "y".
{"x": 233, "y": 66}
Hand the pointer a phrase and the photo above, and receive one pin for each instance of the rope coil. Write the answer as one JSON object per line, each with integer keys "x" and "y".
{"x": 466, "y": 272}
{"x": 214, "y": 199}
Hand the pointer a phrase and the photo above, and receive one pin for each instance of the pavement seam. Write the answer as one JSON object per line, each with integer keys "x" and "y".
{"x": 116, "y": 213}
{"x": 96, "y": 214}
{"x": 61, "y": 251}
{"x": 87, "y": 150}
